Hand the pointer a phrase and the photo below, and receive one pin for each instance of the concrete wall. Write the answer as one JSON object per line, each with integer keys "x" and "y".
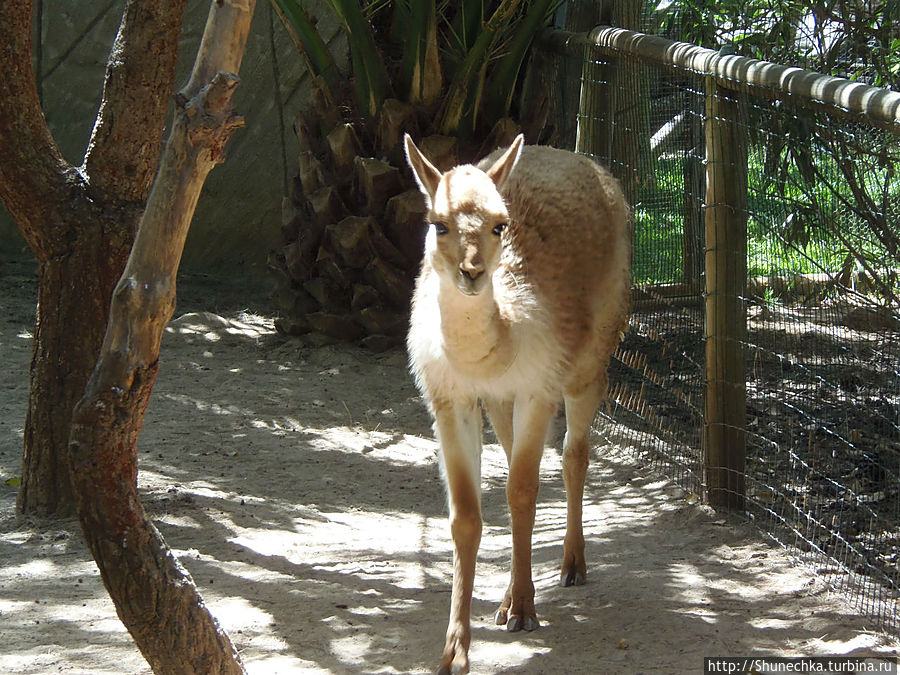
{"x": 238, "y": 216}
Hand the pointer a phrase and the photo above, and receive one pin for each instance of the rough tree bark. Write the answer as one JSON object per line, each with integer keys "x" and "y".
{"x": 79, "y": 222}
{"x": 154, "y": 596}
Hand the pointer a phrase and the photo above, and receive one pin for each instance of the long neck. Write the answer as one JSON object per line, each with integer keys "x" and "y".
{"x": 475, "y": 334}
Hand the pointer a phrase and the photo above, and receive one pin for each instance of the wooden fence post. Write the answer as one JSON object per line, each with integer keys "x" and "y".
{"x": 694, "y": 180}
{"x": 596, "y": 107}
{"x": 613, "y": 120}
{"x": 726, "y": 273}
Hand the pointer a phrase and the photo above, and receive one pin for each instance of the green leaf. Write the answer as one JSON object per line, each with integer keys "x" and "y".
{"x": 307, "y": 39}
{"x": 503, "y": 79}
{"x": 420, "y": 73}
{"x": 459, "y": 114}
{"x": 15, "y": 481}
{"x": 370, "y": 78}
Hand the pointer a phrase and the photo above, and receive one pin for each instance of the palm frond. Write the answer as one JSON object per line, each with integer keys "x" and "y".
{"x": 307, "y": 39}
{"x": 370, "y": 78}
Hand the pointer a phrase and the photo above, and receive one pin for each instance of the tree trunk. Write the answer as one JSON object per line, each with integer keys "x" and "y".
{"x": 154, "y": 596}
{"x": 78, "y": 222}
{"x": 71, "y": 319}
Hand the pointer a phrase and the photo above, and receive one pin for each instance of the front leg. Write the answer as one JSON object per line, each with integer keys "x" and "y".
{"x": 531, "y": 417}
{"x": 458, "y": 428}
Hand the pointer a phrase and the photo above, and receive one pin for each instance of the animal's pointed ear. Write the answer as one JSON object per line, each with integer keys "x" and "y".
{"x": 503, "y": 167}
{"x": 425, "y": 173}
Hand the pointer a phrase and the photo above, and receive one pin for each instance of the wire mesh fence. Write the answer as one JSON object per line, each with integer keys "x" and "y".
{"x": 813, "y": 325}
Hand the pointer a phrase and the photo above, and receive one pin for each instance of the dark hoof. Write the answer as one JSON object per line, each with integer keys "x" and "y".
{"x": 516, "y": 623}
{"x": 571, "y": 578}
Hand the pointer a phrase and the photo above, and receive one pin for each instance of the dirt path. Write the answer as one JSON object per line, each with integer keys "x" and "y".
{"x": 300, "y": 487}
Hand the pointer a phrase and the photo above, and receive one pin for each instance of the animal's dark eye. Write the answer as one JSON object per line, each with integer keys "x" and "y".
{"x": 498, "y": 228}
{"x": 440, "y": 228}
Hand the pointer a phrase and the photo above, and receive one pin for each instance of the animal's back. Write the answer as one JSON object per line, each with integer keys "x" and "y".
{"x": 570, "y": 237}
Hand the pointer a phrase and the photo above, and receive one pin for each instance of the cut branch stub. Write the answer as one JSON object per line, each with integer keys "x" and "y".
{"x": 393, "y": 285}
{"x": 307, "y": 135}
{"x": 441, "y": 151}
{"x": 338, "y": 326}
{"x": 377, "y": 181}
{"x": 328, "y": 206}
{"x": 350, "y": 239}
{"x": 344, "y": 146}
{"x": 395, "y": 118}
{"x": 213, "y": 118}
{"x": 385, "y": 249}
{"x": 310, "y": 172}
{"x": 327, "y": 293}
{"x": 300, "y": 255}
{"x": 377, "y": 321}
{"x": 293, "y": 216}
{"x": 363, "y": 296}
{"x": 323, "y": 103}
{"x": 404, "y": 222}
{"x": 328, "y": 266}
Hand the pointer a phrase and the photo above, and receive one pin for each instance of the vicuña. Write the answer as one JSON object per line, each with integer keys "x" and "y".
{"x": 523, "y": 295}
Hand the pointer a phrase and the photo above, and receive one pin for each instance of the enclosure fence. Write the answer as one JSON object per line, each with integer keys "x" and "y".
{"x": 762, "y": 366}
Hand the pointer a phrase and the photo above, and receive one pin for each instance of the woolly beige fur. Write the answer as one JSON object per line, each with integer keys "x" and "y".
{"x": 523, "y": 296}
{"x": 560, "y": 288}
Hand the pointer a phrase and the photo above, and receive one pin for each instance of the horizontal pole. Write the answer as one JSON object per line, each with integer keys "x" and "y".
{"x": 739, "y": 72}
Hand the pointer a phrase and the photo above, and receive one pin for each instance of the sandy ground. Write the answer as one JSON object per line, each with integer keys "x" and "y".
{"x": 299, "y": 485}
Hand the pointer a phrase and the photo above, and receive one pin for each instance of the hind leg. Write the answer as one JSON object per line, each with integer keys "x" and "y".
{"x": 581, "y": 407}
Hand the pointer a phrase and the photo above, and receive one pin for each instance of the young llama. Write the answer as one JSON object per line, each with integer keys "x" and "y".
{"x": 523, "y": 296}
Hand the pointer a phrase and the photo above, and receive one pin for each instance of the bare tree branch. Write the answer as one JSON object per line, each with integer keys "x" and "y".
{"x": 222, "y": 46}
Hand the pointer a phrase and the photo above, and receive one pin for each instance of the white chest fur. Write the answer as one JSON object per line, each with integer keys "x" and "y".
{"x": 490, "y": 345}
